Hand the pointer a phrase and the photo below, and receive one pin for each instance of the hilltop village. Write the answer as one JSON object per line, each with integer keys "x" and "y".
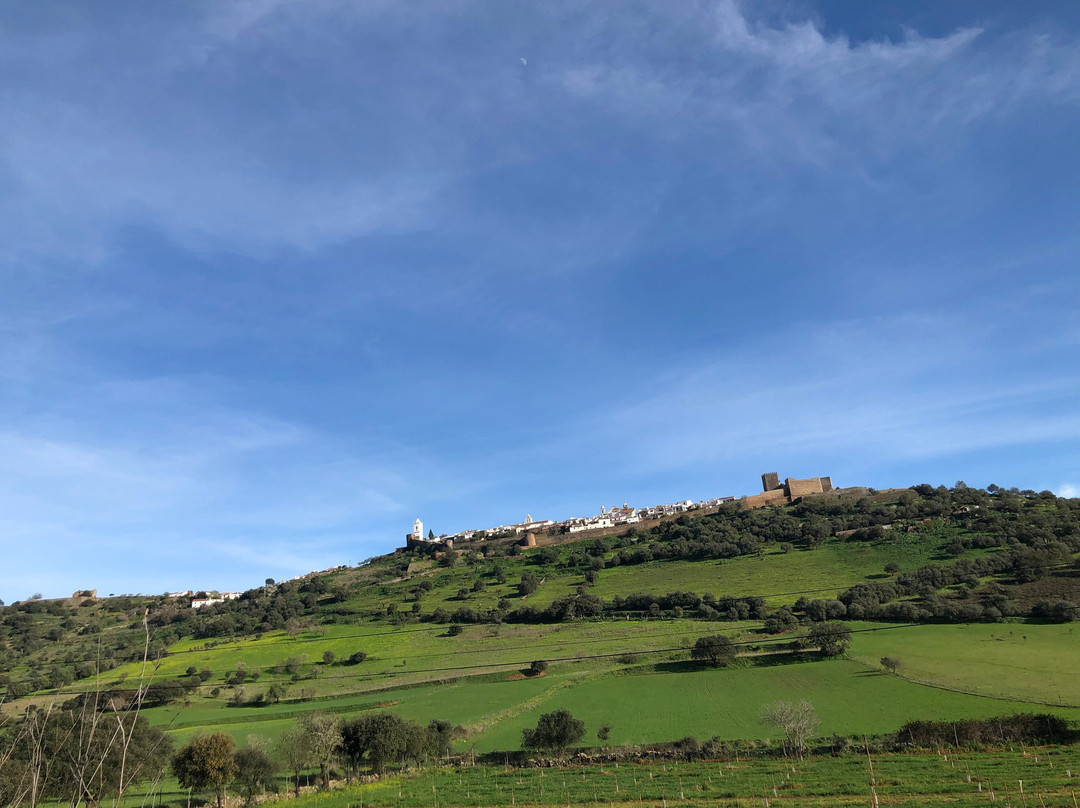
{"x": 532, "y": 532}
{"x": 617, "y": 520}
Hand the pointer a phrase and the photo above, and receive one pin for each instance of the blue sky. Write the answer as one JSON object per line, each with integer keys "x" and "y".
{"x": 276, "y": 278}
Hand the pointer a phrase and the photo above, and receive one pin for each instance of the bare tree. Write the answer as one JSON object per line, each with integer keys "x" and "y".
{"x": 798, "y": 722}
{"x": 83, "y": 751}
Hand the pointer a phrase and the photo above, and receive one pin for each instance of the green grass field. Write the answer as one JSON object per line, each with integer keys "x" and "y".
{"x": 956, "y": 780}
{"x": 823, "y": 571}
{"x": 1005, "y": 660}
{"x": 659, "y": 701}
{"x": 686, "y": 700}
{"x": 779, "y": 577}
{"x": 1011, "y": 666}
{"x": 411, "y": 654}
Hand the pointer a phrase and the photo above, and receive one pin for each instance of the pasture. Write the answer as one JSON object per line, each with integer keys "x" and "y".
{"x": 1034, "y": 662}
{"x": 1047, "y": 776}
{"x": 660, "y": 700}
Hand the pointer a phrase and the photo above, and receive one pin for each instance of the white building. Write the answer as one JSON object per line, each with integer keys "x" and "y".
{"x": 417, "y": 531}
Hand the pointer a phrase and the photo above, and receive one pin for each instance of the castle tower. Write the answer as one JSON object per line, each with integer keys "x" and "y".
{"x": 770, "y": 481}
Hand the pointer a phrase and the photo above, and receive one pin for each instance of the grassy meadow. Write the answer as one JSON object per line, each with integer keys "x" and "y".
{"x": 665, "y": 696}
{"x": 1048, "y": 776}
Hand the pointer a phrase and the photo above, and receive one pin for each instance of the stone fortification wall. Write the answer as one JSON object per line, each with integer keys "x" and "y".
{"x": 775, "y": 497}
{"x": 803, "y": 488}
{"x": 775, "y": 493}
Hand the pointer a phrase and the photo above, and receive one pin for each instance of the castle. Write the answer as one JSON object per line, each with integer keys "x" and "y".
{"x": 777, "y": 493}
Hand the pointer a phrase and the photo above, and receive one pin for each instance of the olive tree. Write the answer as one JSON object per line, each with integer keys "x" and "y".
{"x": 832, "y": 638}
{"x": 206, "y": 764}
{"x": 255, "y": 771}
{"x": 554, "y": 732}
{"x": 716, "y": 649}
{"x": 322, "y": 734}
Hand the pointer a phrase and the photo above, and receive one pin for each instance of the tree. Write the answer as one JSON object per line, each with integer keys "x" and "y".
{"x": 604, "y": 732}
{"x": 833, "y": 638}
{"x": 292, "y": 750}
{"x": 322, "y": 734}
{"x": 537, "y": 667}
{"x": 453, "y": 630}
{"x": 798, "y": 722}
{"x": 554, "y": 732}
{"x": 376, "y": 737}
{"x": 443, "y": 734}
{"x": 328, "y": 657}
{"x": 269, "y": 581}
{"x": 254, "y": 772}
{"x": 716, "y": 649}
{"x": 891, "y": 664}
{"x": 206, "y": 764}
{"x": 81, "y": 754}
{"x": 528, "y": 584}
{"x": 431, "y": 535}
{"x": 892, "y": 568}
{"x": 356, "y": 657}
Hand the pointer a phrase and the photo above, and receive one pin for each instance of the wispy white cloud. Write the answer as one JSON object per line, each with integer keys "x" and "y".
{"x": 195, "y": 145}
{"x": 792, "y": 93}
{"x": 902, "y": 387}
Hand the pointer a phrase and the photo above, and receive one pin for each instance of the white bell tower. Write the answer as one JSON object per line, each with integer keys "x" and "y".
{"x": 418, "y": 530}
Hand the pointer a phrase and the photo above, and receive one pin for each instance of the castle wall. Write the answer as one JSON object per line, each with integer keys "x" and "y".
{"x": 776, "y": 497}
{"x": 803, "y": 488}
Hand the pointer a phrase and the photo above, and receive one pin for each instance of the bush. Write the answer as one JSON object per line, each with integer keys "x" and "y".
{"x": 554, "y": 732}
{"x": 715, "y": 649}
{"x": 832, "y": 638}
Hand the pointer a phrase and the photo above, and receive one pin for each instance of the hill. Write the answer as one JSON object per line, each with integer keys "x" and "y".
{"x": 974, "y": 593}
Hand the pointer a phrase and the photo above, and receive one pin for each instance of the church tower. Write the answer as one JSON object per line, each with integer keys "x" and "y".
{"x": 418, "y": 530}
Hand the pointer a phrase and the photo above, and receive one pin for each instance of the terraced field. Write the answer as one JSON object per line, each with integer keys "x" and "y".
{"x": 663, "y": 696}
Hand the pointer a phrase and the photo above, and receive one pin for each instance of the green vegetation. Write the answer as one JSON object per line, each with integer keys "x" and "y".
{"x": 955, "y": 604}
{"x": 1005, "y": 660}
{"x": 902, "y": 780}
